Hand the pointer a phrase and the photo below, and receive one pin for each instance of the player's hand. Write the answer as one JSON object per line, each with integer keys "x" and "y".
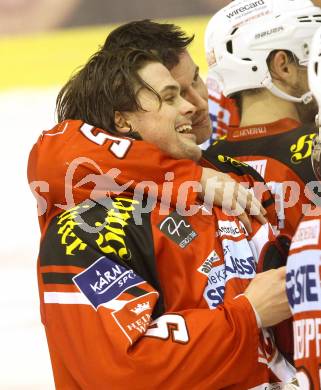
{"x": 219, "y": 189}
{"x": 267, "y": 295}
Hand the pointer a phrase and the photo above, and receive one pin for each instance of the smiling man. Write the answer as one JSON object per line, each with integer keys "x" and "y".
{"x": 176, "y": 137}
{"x": 138, "y": 303}
{"x": 170, "y": 44}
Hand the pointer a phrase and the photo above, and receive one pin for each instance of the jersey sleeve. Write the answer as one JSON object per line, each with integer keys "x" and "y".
{"x": 99, "y": 297}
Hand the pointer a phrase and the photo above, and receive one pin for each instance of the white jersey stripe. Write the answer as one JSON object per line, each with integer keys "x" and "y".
{"x": 68, "y": 298}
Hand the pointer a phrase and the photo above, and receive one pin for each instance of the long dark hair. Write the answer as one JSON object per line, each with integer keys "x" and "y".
{"x": 167, "y": 40}
{"x": 107, "y": 83}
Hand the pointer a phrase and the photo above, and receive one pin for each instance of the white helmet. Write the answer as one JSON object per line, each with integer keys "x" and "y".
{"x": 239, "y": 38}
{"x": 314, "y": 74}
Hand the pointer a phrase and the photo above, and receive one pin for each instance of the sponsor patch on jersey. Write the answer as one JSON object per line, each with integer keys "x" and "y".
{"x": 239, "y": 260}
{"x": 238, "y": 263}
{"x": 112, "y": 238}
{"x": 134, "y": 318}
{"x": 302, "y": 149}
{"x": 108, "y": 228}
{"x": 249, "y": 132}
{"x": 215, "y": 289}
{"x": 258, "y": 165}
{"x": 105, "y": 280}
{"x": 303, "y": 282}
{"x": 308, "y": 233}
{"x": 230, "y": 228}
{"x": 208, "y": 264}
{"x": 307, "y": 337}
{"x": 178, "y": 229}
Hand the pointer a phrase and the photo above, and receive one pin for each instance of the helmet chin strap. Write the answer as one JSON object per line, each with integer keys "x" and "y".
{"x": 268, "y": 83}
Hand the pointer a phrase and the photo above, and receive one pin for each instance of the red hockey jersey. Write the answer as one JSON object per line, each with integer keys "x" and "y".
{"x": 281, "y": 153}
{"x": 304, "y": 293}
{"x": 154, "y": 305}
{"x": 126, "y": 292}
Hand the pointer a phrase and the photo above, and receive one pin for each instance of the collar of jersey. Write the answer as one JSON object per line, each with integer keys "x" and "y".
{"x": 235, "y": 133}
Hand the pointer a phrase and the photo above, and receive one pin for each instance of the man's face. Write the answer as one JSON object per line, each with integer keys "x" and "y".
{"x": 294, "y": 82}
{"x": 169, "y": 125}
{"x": 193, "y": 89}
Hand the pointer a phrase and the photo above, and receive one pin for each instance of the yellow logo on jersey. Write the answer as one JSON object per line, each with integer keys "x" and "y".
{"x": 231, "y": 160}
{"x": 302, "y": 149}
{"x": 67, "y": 223}
{"x": 112, "y": 239}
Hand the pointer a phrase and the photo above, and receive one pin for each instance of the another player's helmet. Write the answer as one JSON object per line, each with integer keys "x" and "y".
{"x": 240, "y": 37}
{"x": 314, "y": 74}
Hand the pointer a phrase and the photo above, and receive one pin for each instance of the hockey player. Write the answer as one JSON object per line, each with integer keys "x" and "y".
{"x": 124, "y": 302}
{"x": 171, "y": 44}
{"x": 259, "y": 51}
{"x": 304, "y": 263}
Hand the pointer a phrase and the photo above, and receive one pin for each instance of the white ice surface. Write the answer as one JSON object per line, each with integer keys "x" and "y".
{"x": 24, "y": 357}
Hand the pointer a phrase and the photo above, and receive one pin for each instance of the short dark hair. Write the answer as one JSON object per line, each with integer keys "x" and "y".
{"x": 166, "y": 40}
{"x": 107, "y": 83}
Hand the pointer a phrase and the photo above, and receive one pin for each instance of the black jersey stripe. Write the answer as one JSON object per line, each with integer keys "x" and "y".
{"x": 57, "y": 278}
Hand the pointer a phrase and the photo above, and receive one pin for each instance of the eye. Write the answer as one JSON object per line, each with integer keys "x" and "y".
{"x": 169, "y": 98}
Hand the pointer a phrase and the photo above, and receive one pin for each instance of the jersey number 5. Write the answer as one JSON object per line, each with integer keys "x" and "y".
{"x": 119, "y": 146}
{"x": 168, "y": 325}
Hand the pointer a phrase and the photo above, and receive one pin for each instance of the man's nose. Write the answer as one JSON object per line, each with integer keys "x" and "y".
{"x": 187, "y": 108}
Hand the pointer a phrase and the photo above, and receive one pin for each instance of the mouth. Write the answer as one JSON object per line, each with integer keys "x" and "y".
{"x": 184, "y": 129}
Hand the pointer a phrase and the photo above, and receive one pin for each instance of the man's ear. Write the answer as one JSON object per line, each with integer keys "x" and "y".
{"x": 121, "y": 123}
{"x": 283, "y": 68}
